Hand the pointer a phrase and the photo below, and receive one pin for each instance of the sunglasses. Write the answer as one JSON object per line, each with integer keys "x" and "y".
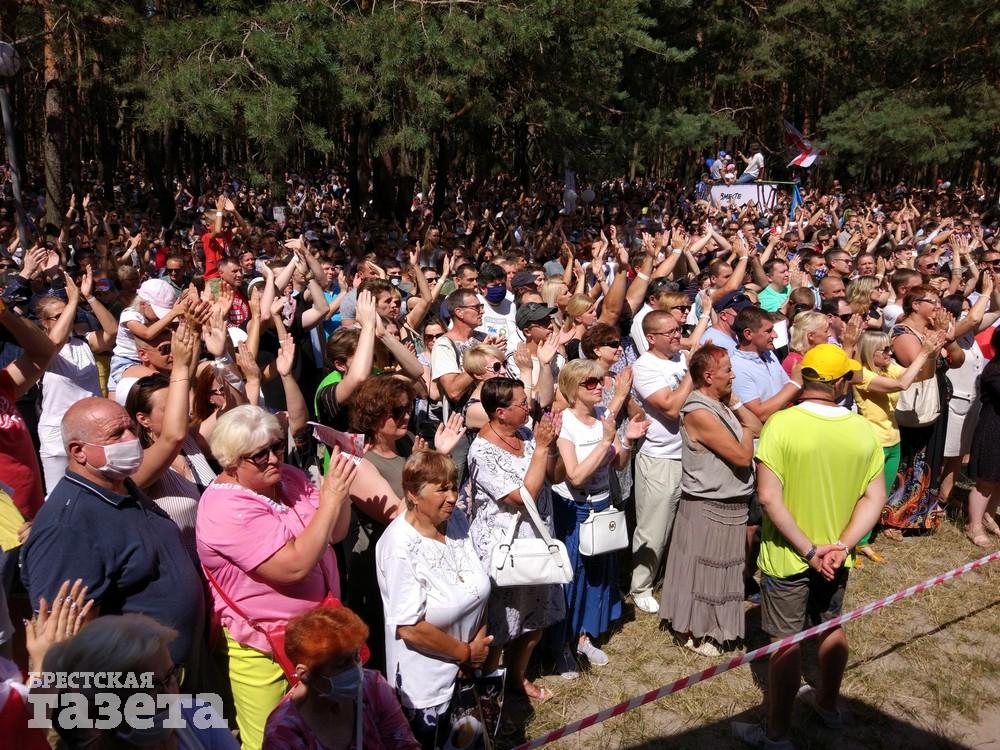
{"x": 685, "y": 308}
{"x": 163, "y": 349}
{"x": 846, "y": 317}
{"x": 591, "y": 384}
{"x": 887, "y": 351}
{"x": 613, "y": 344}
{"x": 496, "y": 367}
{"x": 400, "y": 411}
{"x": 259, "y": 459}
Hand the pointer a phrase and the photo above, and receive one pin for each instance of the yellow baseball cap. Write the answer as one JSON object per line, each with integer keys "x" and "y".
{"x": 826, "y": 363}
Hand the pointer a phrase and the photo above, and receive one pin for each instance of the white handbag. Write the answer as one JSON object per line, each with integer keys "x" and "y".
{"x": 603, "y": 531}
{"x": 529, "y": 562}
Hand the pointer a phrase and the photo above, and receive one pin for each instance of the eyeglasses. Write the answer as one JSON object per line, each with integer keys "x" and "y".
{"x": 220, "y": 391}
{"x": 259, "y": 459}
{"x": 591, "y": 384}
{"x": 177, "y": 672}
{"x": 613, "y": 344}
{"x": 477, "y": 306}
{"x": 398, "y": 412}
{"x": 520, "y": 405}
{"x": 671, "y": 334}
{"x": 929, "y": 301}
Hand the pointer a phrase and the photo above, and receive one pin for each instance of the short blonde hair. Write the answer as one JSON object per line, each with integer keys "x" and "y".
{"x": 575, "y": 372}
{"x": 869, "y": 343}
{"x": 551, "y": 290}
{"x": 805, "y": 323}
{"x": 474, "y": 360}
{"x": 241, "y": 430}
{"x": 669, "y": 300}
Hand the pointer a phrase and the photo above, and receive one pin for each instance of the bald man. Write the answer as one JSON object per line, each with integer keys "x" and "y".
{"x": 98, "y": 526}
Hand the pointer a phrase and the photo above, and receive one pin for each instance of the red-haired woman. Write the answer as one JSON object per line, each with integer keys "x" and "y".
{"x": 338, "y": 703}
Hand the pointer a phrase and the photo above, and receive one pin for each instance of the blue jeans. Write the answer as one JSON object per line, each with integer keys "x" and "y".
{"x": 746, "y": 179}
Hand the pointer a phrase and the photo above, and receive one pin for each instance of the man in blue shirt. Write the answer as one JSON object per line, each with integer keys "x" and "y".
{"x": 98, "y": 526}
{"x": 761, "y": 383}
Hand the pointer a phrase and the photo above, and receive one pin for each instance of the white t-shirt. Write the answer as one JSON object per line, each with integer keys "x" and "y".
{"x": 125, "y": 341}
{"x": 442, "y": 583}
{"x": 443, "y": 359}
{"x": 650, "y": 374}
{"x": 71, "y": 376}
{"x": 890, "y": 315}
{"x": 755, "y": 166}
{"x": 584, "y": 439}
{"x": 638, "y": 337}
{"x": 499, "y": 320}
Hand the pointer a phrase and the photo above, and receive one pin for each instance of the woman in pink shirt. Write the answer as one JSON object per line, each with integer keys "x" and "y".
{"x": 264, "y": 536}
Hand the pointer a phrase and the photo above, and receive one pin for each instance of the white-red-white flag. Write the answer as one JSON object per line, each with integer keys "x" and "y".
{"x": 807, "y": 152}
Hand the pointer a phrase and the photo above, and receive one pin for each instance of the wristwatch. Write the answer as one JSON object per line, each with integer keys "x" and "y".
{"x": 810, "y": 554}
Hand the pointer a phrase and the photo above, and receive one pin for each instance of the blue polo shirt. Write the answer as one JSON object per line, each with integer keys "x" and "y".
{"x": 127, "y": 551}
{"x": 757, "y": 376}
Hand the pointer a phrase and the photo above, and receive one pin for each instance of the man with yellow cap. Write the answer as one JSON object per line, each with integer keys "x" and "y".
{"x": 819, "y": 478}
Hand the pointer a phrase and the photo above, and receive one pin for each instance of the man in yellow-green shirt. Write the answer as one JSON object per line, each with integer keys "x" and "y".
{"x": 820, "y": 483}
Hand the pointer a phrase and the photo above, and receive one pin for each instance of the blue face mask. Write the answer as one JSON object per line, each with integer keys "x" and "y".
{"x": 819, "y": 274}
{"x": 496, "y": 294}
{"x": 345, "y": 685}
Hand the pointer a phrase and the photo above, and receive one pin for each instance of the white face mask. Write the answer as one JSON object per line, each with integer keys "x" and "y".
{"x": 121, "y": 460}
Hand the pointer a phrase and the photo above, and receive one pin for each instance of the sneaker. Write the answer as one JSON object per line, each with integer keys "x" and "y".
{"x": 595, "y": 656}
{"x": 755, "y": 735}
{"x": 705, "y": 648}
{"x": 566, "y": 665}
{"x": 647, "y": 604}
{"x": 832, "y": 719}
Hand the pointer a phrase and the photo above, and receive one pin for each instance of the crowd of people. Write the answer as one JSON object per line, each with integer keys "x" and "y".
{"x": 290, "y": 453}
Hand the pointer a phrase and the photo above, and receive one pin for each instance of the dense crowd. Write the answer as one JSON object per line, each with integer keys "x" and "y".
{"x": 339, "y": 468}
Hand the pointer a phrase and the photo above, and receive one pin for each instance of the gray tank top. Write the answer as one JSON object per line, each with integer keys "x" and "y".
{"x": 706, "y": 476}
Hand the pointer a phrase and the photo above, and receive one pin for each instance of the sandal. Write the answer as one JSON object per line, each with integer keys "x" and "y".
{"x": 978, "y": 538}
{"x": 895, "y": 534}
{"x": 871, "y": 554}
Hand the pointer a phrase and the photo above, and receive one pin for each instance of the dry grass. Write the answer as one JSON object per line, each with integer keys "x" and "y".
{"x": 920, "y": 672}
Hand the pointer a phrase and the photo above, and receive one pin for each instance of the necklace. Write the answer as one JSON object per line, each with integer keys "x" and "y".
{"x": 514, "y": 448}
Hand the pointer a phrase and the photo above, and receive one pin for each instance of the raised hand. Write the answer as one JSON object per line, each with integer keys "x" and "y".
{"x": 72, "y": 290}
{"x": 183, "y": 344}
{"x": 548, "y": 349}
{"x": 637, "y": 426}
{"x": 57, "y": 623}
{"x": 247, "y": 363}
{"x": 448, "y": 434}
{"x": 87, "y": 283}
{"x": 286, "y": 356}
{"x": 339, "y": 476}
{"x": 623, "y": 381}
{"x": 365, "y": 310}
{"x": 547, "y": 429}
{"x": 522, "y": 357}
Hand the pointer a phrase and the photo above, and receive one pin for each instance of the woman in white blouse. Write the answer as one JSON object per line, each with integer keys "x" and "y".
{"x": 72, "y": 373}
{"x": 434, "y": 593}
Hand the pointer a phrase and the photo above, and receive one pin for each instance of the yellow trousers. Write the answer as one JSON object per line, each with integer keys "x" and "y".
{"x": 258, "y": 685}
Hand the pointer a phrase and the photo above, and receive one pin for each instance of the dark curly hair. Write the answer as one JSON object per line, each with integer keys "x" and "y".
{"x": 373, "y": 401}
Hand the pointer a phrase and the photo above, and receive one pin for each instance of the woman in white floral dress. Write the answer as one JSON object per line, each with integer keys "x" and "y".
{"x": 503, "y": 458}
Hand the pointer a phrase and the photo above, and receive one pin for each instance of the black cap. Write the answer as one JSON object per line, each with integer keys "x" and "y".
{"x": 523, "y": 278}
{"x": 733, "y": 300}
{"x": 532, "y": 312}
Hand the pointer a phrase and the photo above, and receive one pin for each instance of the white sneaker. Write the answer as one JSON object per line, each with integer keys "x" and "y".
{"x": 705, "y": 648}
{"x": 647, "y": 604}
{"x": 755, "y": 735}
{"x": 595, "y": 656}
{"x": 566, "y": 665}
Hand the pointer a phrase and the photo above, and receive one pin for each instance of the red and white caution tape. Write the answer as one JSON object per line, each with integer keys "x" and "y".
{"x": 738, "y": 661}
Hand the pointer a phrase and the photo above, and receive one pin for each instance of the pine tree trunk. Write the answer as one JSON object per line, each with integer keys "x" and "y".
{"x": 54, "y": 145}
